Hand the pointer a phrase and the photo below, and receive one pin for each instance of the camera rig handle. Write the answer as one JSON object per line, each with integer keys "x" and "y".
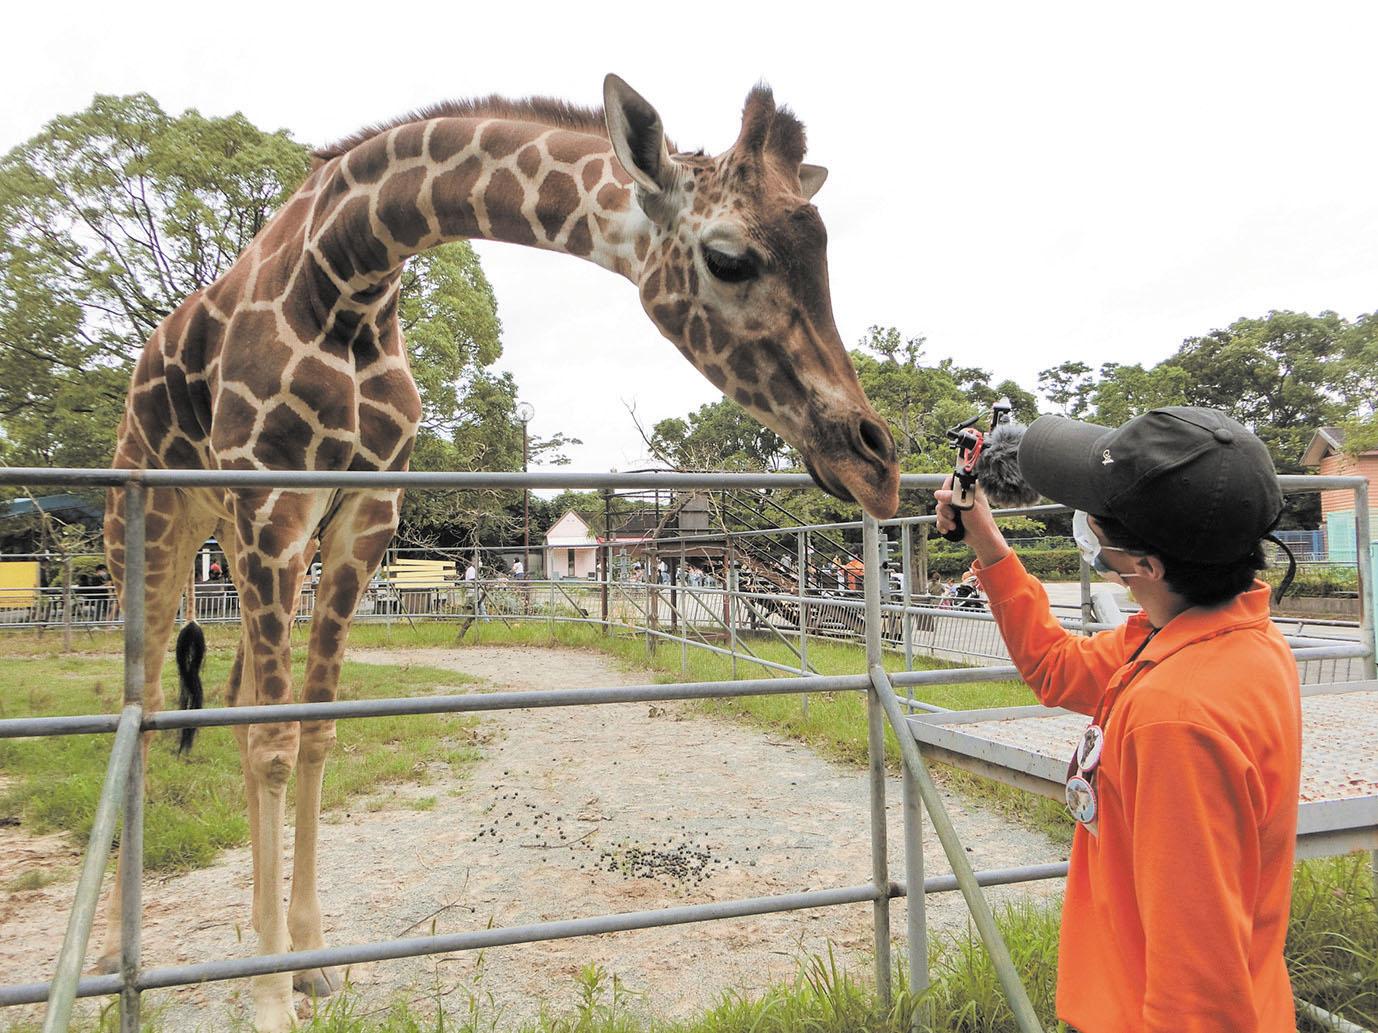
{"x": 969, "y": 440}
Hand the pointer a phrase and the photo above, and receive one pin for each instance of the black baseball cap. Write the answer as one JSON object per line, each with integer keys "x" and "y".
{"x": 1191, "y": 482}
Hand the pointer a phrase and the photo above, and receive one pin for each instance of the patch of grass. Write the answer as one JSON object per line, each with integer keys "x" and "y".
{"x": 422, "y": 803}
{"x": 34, "y": 879}
{"x": 1332, "y": 937}
{"x": 195, "y": 804}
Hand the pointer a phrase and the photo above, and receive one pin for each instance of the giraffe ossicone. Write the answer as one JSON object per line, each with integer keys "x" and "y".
{"x": 294, "y": 360}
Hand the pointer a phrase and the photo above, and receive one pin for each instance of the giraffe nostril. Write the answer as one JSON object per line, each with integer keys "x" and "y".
{"x": 876, "y": 440}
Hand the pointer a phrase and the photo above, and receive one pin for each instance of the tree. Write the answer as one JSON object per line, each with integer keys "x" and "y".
{"x": 1282, "y": 376}
{"x": 718, "y": 436}
{"x": 108, "y": 219}
{"x": 1068, "y": 385}
{"x": 1124, "y": 392}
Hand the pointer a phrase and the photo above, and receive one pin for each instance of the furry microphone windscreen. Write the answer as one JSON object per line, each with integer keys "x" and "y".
{"x": 997, "y": 470}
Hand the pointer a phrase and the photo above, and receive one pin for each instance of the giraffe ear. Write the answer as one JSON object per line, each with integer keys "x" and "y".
{"x": 638, "y": 139}
{"x": 811, "y": 178}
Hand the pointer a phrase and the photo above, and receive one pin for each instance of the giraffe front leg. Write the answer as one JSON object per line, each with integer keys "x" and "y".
{"x": 270, "y": 577}
{"x": 272, "y": 753}
{"x": 350, "y": 551}
{"x": 304, "y": 908}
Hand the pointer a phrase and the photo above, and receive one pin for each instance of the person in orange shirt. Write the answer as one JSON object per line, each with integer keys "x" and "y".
{"x": 1185, "y": 784}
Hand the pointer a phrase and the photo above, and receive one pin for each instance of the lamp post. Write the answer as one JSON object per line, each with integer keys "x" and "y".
{"x": 525, "y": 411}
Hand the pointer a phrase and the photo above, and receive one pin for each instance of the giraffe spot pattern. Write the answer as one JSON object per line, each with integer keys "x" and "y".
{"x": 556, "y": 201}
{"x": 451, "y": 198}
{"x": 398, "y": 210}
{"x": 503, "y": 199}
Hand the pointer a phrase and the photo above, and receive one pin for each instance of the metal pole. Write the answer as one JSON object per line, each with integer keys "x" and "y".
{"x": 131, "y": 865}
{"x": 1363, "y": 551}
{"x": 1363, "y": 534}
{"x": 1015, "y": 994}
{"x": 803, "y": 570}
{"x": 62, "y": 991}
{"x": 607, "y": 556}
{"x": 526, "y": 511}
{"x": 875, "y": 745}
{"x": 681, "y": 577}
{"x": 1086, "y": 614}
{"x": 916, "y": 918}
{"x": 67, "y": 605}
{"x": 729, "y": 603}
{"x": 907, "y": 587}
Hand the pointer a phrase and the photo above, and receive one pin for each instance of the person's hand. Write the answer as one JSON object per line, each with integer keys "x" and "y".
{"x": 982, "y": 535}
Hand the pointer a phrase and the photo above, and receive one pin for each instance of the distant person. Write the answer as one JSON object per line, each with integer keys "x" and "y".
{"x": 215, "y": 572}
{"x": 518, "y": 569}
{"x": 856, "y": 574}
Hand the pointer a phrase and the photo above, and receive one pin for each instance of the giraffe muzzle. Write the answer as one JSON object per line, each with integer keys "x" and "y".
{"x": 860, "y": 467}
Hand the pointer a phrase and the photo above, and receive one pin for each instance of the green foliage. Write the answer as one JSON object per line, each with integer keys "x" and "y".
{"x": 1058, "y": 564}
{"x": 1315, "y": 581}
{"x": 108, "y": 219}
{"x": 1069, "y": 386}
{"x": 195, "y": 805}
{"x": 1282, "y": 376}
{"x": 718, "y": 436}
{"x": 1332, "y": 937}
{"x": 1128, "y": 391}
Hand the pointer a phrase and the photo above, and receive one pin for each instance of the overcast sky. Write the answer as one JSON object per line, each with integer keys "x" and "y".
{"x": 1020, "y": 183}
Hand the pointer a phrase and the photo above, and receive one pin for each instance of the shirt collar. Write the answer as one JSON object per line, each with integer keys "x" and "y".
{"x": 1248, "y": 609}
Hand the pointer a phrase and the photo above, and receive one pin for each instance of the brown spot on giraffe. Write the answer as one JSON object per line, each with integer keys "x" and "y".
{"x": 398, "y": 209}
{"x": 503, "y": 199}
{"x": 592, "y": 174}
{"x": 556, "y": 201}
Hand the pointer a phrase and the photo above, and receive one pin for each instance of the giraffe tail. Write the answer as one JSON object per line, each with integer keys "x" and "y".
{"x": 191, "y": 650}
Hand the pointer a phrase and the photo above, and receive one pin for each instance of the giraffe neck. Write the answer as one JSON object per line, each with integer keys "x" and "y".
{"x": 428, "y": 183}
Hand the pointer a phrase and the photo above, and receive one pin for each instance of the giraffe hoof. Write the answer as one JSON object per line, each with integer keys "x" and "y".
{"x": 107, "y": 964}
{"x": 317, "y": 982}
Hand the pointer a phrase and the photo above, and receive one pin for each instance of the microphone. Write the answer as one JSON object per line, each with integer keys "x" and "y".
{"x": 997, "y": 468}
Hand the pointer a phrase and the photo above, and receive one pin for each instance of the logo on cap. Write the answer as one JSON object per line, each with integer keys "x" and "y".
{"x": 1105, "y": 458}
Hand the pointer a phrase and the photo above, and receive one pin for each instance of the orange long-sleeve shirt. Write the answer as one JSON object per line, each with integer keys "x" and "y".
{"x": 1176, "y": 910}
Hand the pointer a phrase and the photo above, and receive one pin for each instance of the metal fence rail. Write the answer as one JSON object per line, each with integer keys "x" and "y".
{"x": 122, "y": 794}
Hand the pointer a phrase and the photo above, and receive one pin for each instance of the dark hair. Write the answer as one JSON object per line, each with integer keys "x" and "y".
{"x": 1201, "y": 584}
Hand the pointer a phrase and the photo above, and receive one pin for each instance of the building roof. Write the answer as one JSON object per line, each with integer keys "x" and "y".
{"x": 65, "y": 503}
{"x": 1325, "y": 441}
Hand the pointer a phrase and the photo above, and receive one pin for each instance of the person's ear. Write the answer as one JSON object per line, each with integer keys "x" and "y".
{"x": 1150, "y": 568}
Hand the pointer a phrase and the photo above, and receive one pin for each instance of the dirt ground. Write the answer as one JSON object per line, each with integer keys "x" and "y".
{"x": 571, "y": 812}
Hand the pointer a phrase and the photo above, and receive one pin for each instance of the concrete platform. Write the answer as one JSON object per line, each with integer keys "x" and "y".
{"x": 1029, "y": 747}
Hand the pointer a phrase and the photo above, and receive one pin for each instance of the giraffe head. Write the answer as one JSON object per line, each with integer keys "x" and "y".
{"x": 735, "y": 273}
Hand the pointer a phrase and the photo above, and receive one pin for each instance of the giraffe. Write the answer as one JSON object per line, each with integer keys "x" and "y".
{"x": 294, "y": 360}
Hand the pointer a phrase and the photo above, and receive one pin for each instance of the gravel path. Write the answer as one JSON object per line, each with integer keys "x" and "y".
{"x": 571, "y": 812}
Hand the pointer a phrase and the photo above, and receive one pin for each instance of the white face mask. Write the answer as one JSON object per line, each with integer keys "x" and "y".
{"x": 1091, "y": 548}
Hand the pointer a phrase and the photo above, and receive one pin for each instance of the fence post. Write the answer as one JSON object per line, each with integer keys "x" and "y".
{"x": 1086, "y": 612}
{"x": 802, "y": 566}
{"x": 131, "y": 864}
{"x": 729, "y": 604}
{"x": 875, "y": 743}
{"x": 67, "y": 604}
{"x": 1364, "y": 543}
{"x": 907, "y": 595}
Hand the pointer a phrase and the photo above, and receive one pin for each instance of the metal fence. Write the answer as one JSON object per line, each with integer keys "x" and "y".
{"x": 122, "y": 792}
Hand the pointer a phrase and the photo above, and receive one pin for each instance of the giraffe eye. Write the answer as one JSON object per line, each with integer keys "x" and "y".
{"x": 730, "y": 268}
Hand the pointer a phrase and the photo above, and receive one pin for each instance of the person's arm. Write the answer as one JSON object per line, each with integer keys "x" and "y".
{"x": 1194, "y": 820}
{"x": 1063, "y": 669}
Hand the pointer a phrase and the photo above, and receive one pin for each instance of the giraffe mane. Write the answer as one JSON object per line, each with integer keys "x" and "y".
{"x": 550, "y": 111}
